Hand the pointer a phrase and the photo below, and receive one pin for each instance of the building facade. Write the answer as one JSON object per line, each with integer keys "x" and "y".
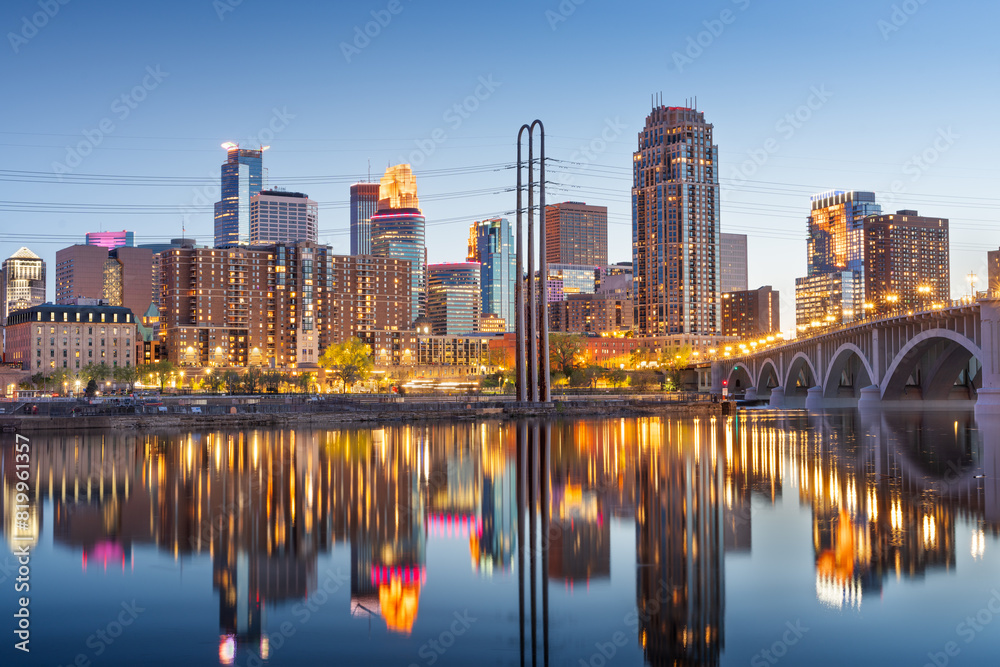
{"x": 22, "y": 282}
{"x": 751, "y": 313}
{"x": 576, "y": 233}
{"x": 591, "y": 313}
{"x": 242, "y": 178}
{"x": 734, "y": 262}
{"x": 398, "y": 231}
{"x": 566, "y": 279}
{"x": 993, "y": 272}
{"x": 44, "y": 338}
{"x": 453, "y": 298}
{"x": 491, "y": 243}
{"x": 122, "y": 276}
{"x": 364, "y": 204}
{"x": 836, "y": 231}
{"x": 907, "y": 262}
{"x": 110, "y": 240}
{"x": 675, "y": 225}
{"x": 277, "y": 216}
{"x": 828, "y": 299}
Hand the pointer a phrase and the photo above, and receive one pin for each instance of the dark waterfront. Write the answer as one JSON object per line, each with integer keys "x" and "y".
{"x": 764, "y": 538}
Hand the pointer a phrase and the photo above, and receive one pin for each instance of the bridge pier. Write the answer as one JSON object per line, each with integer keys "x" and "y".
{"x": 750, "y": 394}
{"x": 871, "y": 398}
{"x": 988, "y": 402}
{"x": 777, "y": 397}
{"x": 814, "y": 400}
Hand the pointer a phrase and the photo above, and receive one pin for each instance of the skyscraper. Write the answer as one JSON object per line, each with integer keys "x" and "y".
{"x": 751, "y": 313}
{"x": 277, "y": 216}
{"x": 907, "y": 261}
{"x": 364, "y": 203}
{"x": 242, "y": 178}
{"x": 734, "y": 262}
{"x": 122, "y": 276}
{"x": 491, "y": 243}
{"x": 576, "y": 233}
{"x": 398, "y": 228}
{"x": 22, "y": 282}
{"x": 675, "y": 225}
{"x": 453, "y": 298}
{"x": 110, "y": 240}
{"x": 836, "y": 236}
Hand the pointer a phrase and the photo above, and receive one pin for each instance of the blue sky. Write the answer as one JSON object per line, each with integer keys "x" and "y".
{"x": 886, "y": 81}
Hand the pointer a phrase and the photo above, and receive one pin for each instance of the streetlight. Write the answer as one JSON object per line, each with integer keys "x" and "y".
{"x": 77, "y": 387}
{"x": 973, "y": 278}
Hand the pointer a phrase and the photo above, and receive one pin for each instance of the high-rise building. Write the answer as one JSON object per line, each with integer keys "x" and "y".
{"x": 121, "y": 276}
{"x": 364, "y": 204}
{"x": 993, "y": 272}
{"x": 604, "y": 312}
{"x": 576, "y": 233}
{"x": 277, "y": 216}
{"x": 110, "y": 240}
{"x": 22, "y": 282}
{"x": 157, "y": 249}
{"x": 675, "y": 225}
{"x": 734, "y": 262}
{"x": 836, "y": 235}
{"x": 242, "y": 178}
{"x": 751, "y": 313}
{"x": 616, "y": 279}
{"x": 828, "y": 298}
{"x": 398, "y": 230}
{"x": 566, "y": 279}
{"x": 907, "y": 261}
{"x": 491, "y": 243}
{"x": 453, "y": 298}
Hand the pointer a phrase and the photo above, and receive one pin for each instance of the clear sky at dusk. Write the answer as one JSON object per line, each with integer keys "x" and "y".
{"x": 150, "y": 90}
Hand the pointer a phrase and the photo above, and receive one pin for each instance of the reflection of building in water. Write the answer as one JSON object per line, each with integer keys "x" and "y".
{"x": 679, "y": 541}
{"x": 22, "y": 521}
{"x": 492, "y": 549}
{"x": 377, "y": 477}
{"x": 753, "y": 466}
{"x": 580, "y": 538}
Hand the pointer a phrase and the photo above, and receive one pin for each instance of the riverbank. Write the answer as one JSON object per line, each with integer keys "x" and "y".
{"x": 322, "y": 414}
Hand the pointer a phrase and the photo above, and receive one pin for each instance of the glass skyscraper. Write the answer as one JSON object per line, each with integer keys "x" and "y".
{"x": 836, "y": 231}
{"x": 492, "y": 245}
{"x": 453, "y": 298}
{"x": 242, "y": 178}
{"x": 398, "y": 230}
{"x": 675, "y": 225}
{"x": 364, "y": 204}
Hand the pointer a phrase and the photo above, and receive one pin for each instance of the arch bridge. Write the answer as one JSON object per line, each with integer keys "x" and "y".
{"x": 945, "y": 358}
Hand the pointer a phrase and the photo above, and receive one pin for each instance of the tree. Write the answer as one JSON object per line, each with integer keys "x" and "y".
{"x": 252, "y": 380}
{"x": 127, "y": 375}
{"x": 305, "y": 381}
{"x": 350, "y": 361}
{"x": 232, "y": 381}
{"x": 91, "y": 388}
{"x": 564, "y": 352}
{"x": 673, "y": 364}
{"x": 617, "y": 377}
{"x": 163, "y": 369}
{"x": 214, "y": 381}
{"x": 60, "y": 378}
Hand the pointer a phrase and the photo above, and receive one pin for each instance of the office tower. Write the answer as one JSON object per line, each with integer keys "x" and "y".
{"x": 22, "y": 282}
{"x": 491, "y": 243}
{"x": 576, "y": 233}
{"x": 993, "y": 272}
{"x": 45, "y": 337}
{"x": 734, "y": 262}
{"x": 121, "y": 276}
{"x": 110, "y": 240}
{"x": 906, "y": 261}
{"x": 828, "y": 298}
{"x": 751, "y": 313}
{"x": 277, "y": 216}
{"x": 364, "y": 203}
{"x": 397, "y": 230}
{"x": 836, "y": 235}
{"x": 675, "y": 225}
{"x": 566, "y": 279}
{"x": 453, "y": 298}
{"x": 242, "y": 178}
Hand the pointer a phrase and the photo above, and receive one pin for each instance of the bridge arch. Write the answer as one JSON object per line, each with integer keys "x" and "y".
{"x": 938, "y": 378}
{"x": 740, "y": 378}
{"x": 768, "y": 377}
{"x": 801, "y": 375}
{"x": 848, "y": 361}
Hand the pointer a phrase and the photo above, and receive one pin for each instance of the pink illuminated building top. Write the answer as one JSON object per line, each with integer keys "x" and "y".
{"x": 111, "y": 240}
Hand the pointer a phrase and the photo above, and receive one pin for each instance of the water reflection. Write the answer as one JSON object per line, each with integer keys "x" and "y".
{"x": 532, "y": 501}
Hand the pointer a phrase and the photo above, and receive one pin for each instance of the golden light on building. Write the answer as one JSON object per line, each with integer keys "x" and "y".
{"x": 398, "y": 188}
{"x": 399, "y": 603}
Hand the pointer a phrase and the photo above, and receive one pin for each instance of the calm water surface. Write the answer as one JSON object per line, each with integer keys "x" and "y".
{"x": 760, "y": 539}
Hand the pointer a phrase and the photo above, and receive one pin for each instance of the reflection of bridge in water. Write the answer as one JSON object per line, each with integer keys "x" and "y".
{"x": 886, "y": 491}
{"x": 942, "y": 358}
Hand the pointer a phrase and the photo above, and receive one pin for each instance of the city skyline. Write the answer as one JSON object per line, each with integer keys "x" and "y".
{"x": 788, "y": 144}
